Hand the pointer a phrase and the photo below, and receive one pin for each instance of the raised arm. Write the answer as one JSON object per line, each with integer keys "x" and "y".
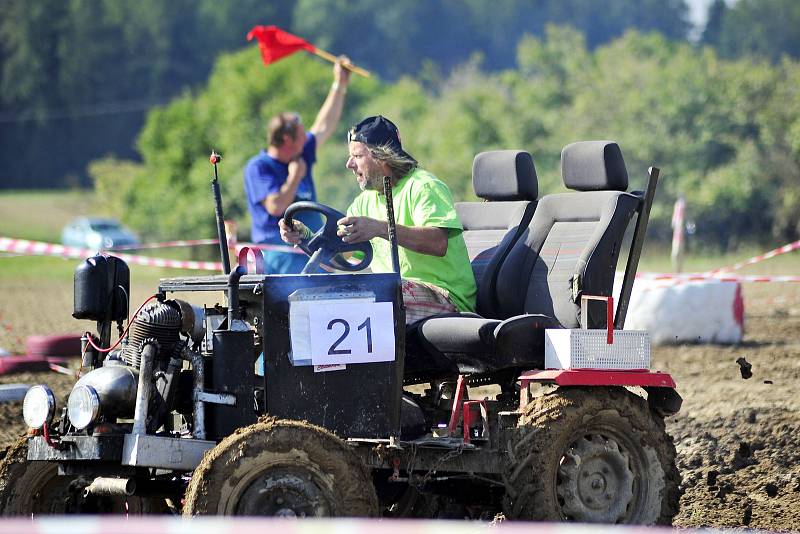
{"x": 331, "y": 110}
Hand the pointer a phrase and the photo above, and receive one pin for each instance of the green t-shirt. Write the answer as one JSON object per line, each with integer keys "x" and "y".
{"x": 421, "y": 199}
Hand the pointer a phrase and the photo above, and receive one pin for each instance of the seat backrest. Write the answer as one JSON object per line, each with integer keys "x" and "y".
{"x": 506, "y": 181}
{"x": 572, "y": 243}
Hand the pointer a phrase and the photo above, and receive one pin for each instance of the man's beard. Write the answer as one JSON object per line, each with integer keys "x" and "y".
{"x": 372, "y": 182}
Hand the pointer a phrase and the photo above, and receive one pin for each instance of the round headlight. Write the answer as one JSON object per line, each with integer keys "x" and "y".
{"x": 83, "y": 406}
{"x": 39, "y": 406}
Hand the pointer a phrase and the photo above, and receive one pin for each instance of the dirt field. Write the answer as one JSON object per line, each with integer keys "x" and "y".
{"x": 738, "y": 440}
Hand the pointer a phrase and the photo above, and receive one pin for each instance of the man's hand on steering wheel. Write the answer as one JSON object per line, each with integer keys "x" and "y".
{"x": 293, "y": 234}
{"x": 325, "y": 246}
{"x": 360, "y": 229}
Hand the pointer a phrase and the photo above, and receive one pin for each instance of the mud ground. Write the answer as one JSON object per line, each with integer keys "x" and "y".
{"x": 738, "y": 440}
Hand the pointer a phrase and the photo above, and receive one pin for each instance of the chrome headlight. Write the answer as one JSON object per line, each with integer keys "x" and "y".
{"x": 39, "y": 406}
{"x": 83, "y": 406}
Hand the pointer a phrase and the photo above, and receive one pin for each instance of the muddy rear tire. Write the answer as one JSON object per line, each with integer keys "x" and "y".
{"x": 591, "y": 455}
{"x": 281, "y": 468}
{"x": 35, "y": 488}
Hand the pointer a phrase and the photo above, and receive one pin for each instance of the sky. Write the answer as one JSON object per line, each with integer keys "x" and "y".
{"x": 698, "y": 10}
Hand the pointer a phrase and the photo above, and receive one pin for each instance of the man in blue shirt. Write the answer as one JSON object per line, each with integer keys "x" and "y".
{"x": 281, "y": 174}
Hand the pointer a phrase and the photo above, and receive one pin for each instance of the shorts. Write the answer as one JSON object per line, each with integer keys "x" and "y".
{"x": 423, "y": 300}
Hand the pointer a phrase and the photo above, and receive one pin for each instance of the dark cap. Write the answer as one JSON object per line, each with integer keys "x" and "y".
{"x": 378, "y": 131}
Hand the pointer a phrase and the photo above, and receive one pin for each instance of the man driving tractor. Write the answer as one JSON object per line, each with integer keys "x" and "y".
{"x": 434, "y": 265}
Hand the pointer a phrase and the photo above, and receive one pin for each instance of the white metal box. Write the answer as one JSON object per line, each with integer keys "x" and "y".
{"x": 589, "y": 349}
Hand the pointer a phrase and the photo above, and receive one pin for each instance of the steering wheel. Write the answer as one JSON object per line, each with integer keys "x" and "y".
{"x": 325, "y": 246}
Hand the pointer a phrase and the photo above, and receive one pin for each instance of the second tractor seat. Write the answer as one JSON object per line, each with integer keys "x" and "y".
{"x": 570, "y": 247}
{"x": 506, "y": 181}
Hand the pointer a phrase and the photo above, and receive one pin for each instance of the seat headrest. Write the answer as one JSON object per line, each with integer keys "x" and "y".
{"x": 594, "y": 166}
{"x": 505, "y": 175}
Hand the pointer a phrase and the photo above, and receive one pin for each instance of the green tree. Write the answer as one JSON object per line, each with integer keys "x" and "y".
{"x": 77, "y": 76}
{"x": 29, "y": 39}
{"x": 170, "y": 195}
{"x": 726, "y": 133}
{"x": 713, "y": 30}
{"x": 765, "y": 28}
{"x": 450, "y": 31}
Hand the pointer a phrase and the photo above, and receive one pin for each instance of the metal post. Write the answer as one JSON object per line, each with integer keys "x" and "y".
{"x": 387, "y": 192}
{"x": 198, "y": 383}
{"x": 678, "y": 238}
{"x": 233, "y": 295}
{"x": 221, "y": 235}
{"x": 636, "y": 247}
{"x": 400, "y": 317}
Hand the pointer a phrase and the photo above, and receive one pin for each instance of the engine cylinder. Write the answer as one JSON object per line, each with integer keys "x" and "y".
{"x": 161, "y": 322}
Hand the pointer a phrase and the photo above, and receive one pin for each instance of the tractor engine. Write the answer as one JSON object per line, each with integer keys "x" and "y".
{"x": 153, "y": 348}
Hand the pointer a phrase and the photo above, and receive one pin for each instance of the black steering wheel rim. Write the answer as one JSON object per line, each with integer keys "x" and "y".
{"x": 324, "y": 246}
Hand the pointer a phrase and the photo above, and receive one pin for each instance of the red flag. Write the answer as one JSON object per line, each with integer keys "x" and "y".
{"x": 276, "y": 43}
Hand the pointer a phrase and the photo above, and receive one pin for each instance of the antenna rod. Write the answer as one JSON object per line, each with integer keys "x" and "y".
{"x": 223, "y": 238}
{"x": 387, "y": 192}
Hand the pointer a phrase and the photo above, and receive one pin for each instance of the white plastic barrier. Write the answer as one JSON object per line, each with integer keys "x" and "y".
{"x": 678, "y": 311}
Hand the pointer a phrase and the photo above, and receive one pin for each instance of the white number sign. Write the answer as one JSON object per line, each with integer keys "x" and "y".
{"x": 347, "y": 333}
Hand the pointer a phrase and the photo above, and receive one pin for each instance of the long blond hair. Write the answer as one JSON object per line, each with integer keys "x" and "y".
{"x": 398, "y": 164}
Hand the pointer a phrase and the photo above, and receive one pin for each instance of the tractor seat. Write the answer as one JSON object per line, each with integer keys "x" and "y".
{"x": 506, "y": 181}
{"x": 570, "y": 247}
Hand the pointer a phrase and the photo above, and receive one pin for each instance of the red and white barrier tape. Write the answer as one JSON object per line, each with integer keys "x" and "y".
{"x": 275, "y": 248}
{"x": 761, "y": 257}
{"x": 196, "y": 242}
{"x": 38, "y": 248}
{"x": 720, "y": 276}
{"x": 166, "y": 244}
{"x": 174, "y": 264}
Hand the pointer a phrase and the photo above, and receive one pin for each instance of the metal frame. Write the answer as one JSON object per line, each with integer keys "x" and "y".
{"x": 636, "y": 247}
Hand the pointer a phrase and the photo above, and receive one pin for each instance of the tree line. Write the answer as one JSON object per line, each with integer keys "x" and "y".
{"x": 725, "y": 132}
{"x": 77, "y": 77}
{"x": 144, "y": 89}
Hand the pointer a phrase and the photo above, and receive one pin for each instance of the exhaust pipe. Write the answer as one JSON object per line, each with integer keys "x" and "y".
{"x": 149, "y": 351}
{"x": 111, "y": 486}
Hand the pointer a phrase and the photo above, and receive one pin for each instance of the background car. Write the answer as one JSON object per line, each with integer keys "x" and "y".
{"x": 97, "y": 233}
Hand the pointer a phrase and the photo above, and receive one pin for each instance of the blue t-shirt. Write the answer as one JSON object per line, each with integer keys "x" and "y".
{"x": 265, "y": 175}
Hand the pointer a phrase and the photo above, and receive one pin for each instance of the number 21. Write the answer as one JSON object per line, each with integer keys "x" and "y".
{"x": 365, "y": 325}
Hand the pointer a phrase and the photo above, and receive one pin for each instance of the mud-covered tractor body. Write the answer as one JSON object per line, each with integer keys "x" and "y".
{"x": 308, "y": 395}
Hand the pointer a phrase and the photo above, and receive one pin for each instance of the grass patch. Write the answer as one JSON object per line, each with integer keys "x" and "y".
{"x": 658, "y": 260}
{"x": 40, "y": 215}
{"x": 24, "y": 270}
{"x": 37, "y": 296}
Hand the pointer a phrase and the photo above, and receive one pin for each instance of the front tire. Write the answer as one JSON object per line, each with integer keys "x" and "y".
{"x": 281, "y": 468}
{"x": 35, "y": 488}
{"x": 596, "y": 455}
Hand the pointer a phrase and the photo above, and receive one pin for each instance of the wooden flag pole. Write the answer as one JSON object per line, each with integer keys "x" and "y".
{"x": 349, "y": 66}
